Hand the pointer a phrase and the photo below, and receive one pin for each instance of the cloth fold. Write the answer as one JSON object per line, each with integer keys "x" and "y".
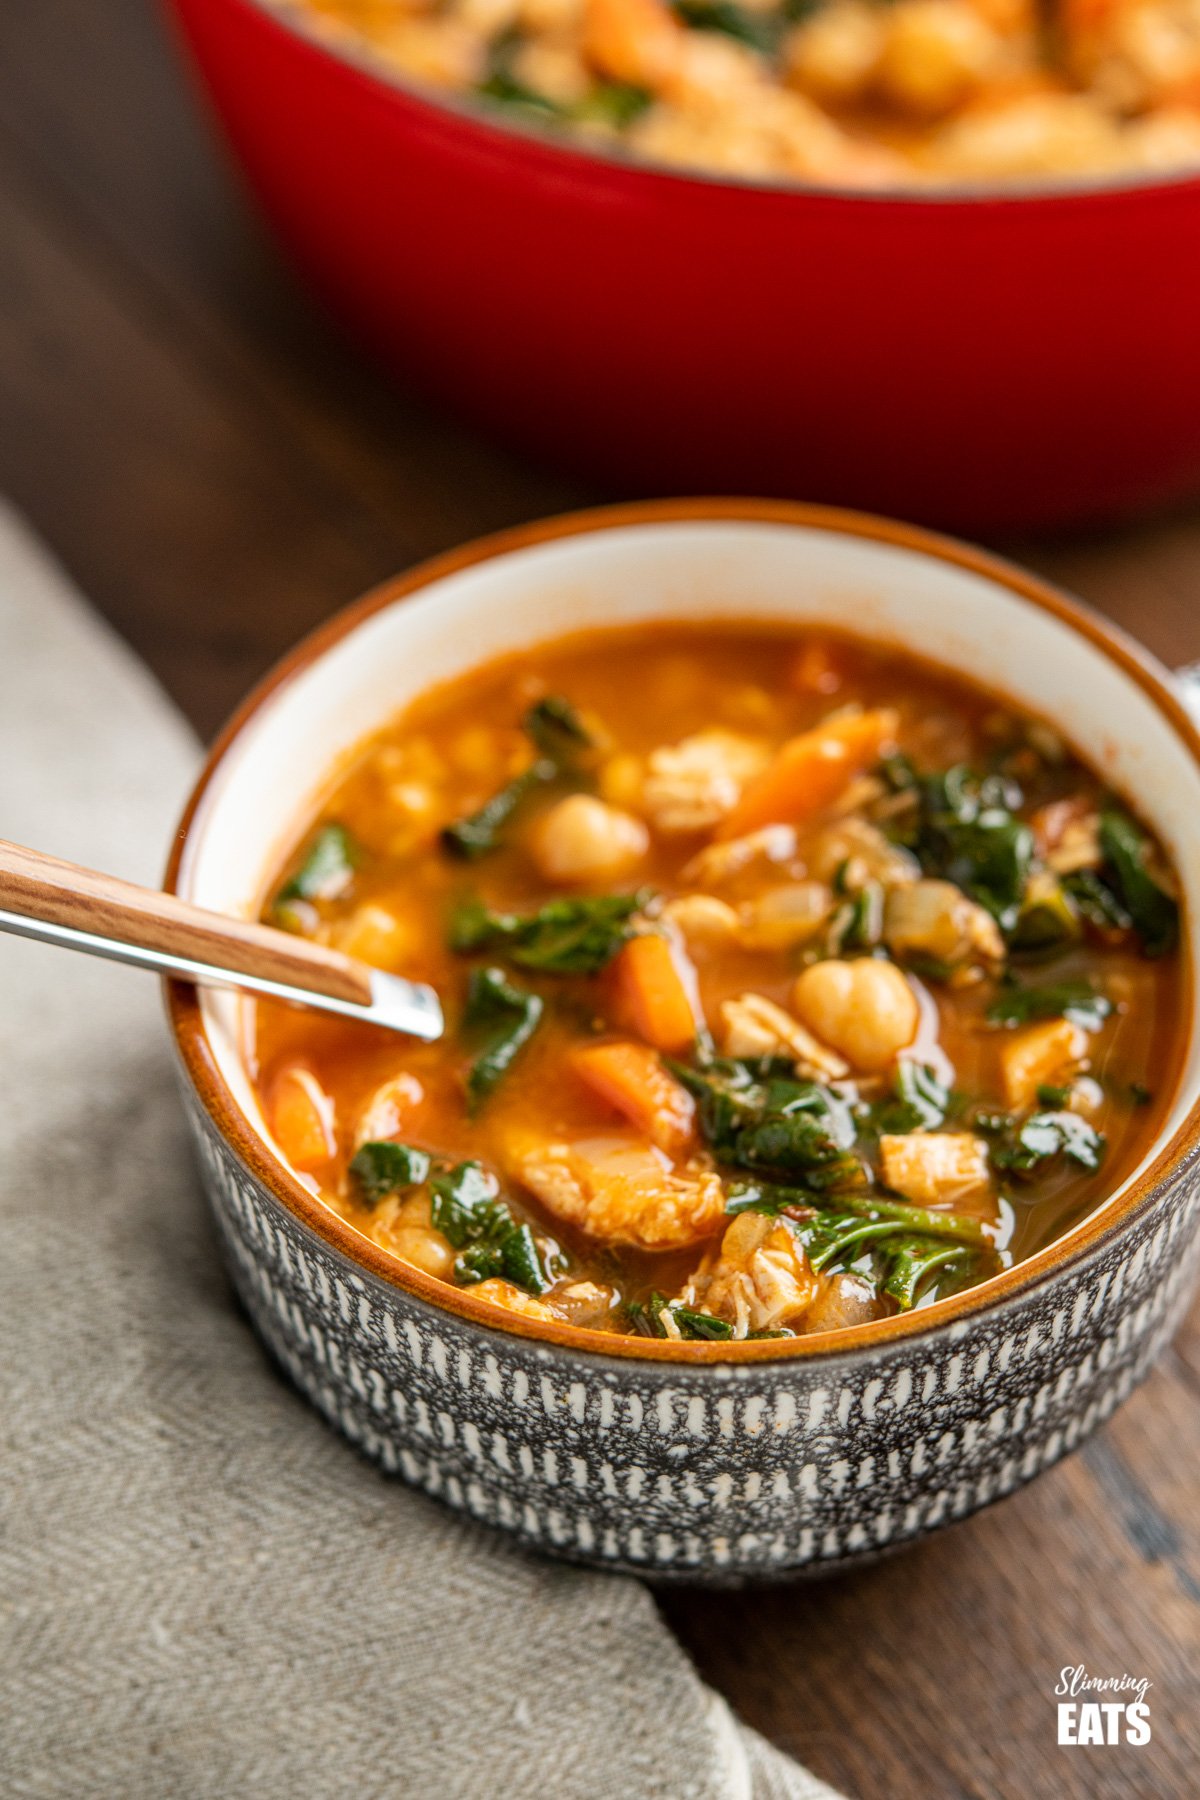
{"x": 204, "y": 1592}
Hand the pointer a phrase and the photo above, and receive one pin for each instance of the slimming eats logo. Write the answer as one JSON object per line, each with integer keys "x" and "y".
{"x": 1107, "y": 1720}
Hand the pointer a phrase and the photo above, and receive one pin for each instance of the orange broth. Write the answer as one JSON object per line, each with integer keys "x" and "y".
{"x": 636, "y": 691}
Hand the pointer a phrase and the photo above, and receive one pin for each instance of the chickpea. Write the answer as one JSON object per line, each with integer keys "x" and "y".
{"x": 937, "y": 52}
{"x": 832, "y": 57}
{"x": 866, "y": 1009}
{"x": 427, "y": 1250}
{"x": 583, "y": 839}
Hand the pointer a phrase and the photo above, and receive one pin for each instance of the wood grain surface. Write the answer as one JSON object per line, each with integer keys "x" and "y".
{"x": 219, "y": 470}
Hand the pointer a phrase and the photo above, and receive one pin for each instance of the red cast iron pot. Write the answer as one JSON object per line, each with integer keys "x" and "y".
{"x": 979, "y": 359}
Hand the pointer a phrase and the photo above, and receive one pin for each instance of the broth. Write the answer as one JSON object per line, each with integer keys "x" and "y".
{"x": 849, "y": 947}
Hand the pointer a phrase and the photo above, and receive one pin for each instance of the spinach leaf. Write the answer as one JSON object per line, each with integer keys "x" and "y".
{"x": 1096, "y": 901}
{"x": 919, "y": 1100}
{"x": 479, "y": 833}
{"x": 556, "y": 730}
{"x": 912, "y": 1260}
{"x": 463, "y": 1203}
{"x": 615, "y": 103}
{"x": 466, "y": 1210}
{"x": 1154, "y": 913}
{"x": 565, "y": 937}
{"x": 646, "y": 1319}
{"x": 1049, "y": 917}
{"x": 759, "y": 31}
{"x": 858, "y": 924}
{"x": 501, "y": 1018}
{"x": 775, "y": 1124}
{"x": 503, "y": 86}
{"x": 561, "y": 740}
{"x": 969, "y": 834}
{"x": 1045, "y": 1136}
{"x": 383, "y": 1167}
{"x": 905, "y": 1244}
{"x": 327, "y": 868}
{"x": 1074, "y": 1000}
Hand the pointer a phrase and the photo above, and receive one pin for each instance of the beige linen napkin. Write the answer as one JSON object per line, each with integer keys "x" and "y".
{"x": 203, "y": 1591}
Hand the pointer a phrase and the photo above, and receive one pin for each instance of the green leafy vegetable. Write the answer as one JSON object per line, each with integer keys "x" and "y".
{"x": 466, "y": 1210}
{"x": 382, "y": 1167}
{"x": 565, "y": 937}
{"x": 1096, "y": 901}
{"x": 858, "y": 924}
{"x": 556, "y": 729}
{"x": 501, "y": 1019}
{"x": 1045, "y": 1136}
{"x": 1052, "y": 1099}
{"x": 615, "y": 103}
{"x": 757, "y": 30}
{"x": 1155, "y": 915}
{"x": 969, "y": 834}
{"x": 1049, "y": 917}
{"x": 561, "y": 740}
{"x": 327, "y": 868}
{"x": 772, "y": 1123}
{"x": 906, "y": 1245}
{"x": 919, "y": 1100}
{"x": 479, "y": 833}
{"x": 1074, "y": 1000}
{"x": 503, "y": 86}
{"x": 911, "y": 1261}
{"x": 647, "y": 1319}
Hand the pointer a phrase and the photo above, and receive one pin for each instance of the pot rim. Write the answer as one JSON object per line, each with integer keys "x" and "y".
{"x": 370, "y": 67}
{"x": 252, "y": 1151}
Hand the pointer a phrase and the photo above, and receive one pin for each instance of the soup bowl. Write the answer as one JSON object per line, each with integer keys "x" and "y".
{"x": 710, "y": 1461}
{"x": 980, "y": 358}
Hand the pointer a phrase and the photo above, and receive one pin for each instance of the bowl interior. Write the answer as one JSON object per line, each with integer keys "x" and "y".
{"x": 897, "y": 587}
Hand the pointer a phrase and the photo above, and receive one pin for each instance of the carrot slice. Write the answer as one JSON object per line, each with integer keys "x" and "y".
{"x": 301, "y": 1118}
{"x": 810, "y": 771}
{"x": 653, "y": 991}
{"x": 631, "y": 1078}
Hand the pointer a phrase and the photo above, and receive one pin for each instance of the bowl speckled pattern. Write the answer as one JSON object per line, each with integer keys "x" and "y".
{"x": 723, "y": 1471}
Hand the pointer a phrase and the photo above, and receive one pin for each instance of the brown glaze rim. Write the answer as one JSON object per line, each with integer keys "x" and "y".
{"x": 254, "y": 1154}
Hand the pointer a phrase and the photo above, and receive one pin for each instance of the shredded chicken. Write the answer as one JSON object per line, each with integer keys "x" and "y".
{"x": 691, "y": 786}
{"x": 759, "y": 1279}
{"x": 720, "y": 862}
{"x": 937, "y": 920}
{"x": 512, "y": 1299}
{"x": 754, "y": 1026}
{"x": 620, "y": 1189}
{"x": 934, "y": 1168}
{"x": 1044, "y": 1055}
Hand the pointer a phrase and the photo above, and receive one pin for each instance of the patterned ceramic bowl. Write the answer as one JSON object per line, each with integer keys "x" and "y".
{"x": 699, "y": 1460}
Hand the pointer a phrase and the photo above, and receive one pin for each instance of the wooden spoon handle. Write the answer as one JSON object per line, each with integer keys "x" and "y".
{"x": 60, "y": 893}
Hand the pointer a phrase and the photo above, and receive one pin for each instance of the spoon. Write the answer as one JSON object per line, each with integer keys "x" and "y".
{"x": 60, "y": 903}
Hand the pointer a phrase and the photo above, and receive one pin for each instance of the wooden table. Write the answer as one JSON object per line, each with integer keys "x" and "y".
{"x": 219, "y": 471}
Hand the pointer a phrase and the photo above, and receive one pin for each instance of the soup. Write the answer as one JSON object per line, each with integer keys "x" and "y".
{"x": 790, "y": 983}
{"x": 857, "y": 93}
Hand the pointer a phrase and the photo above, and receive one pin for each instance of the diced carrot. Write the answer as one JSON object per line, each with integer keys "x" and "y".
{"x": 810, "y": 771}
{"x": 816, "y": 669}
{"x": 631, "y": 1078}
{"x": 301, "y": 1115}
{"x": 653, "y": 991}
